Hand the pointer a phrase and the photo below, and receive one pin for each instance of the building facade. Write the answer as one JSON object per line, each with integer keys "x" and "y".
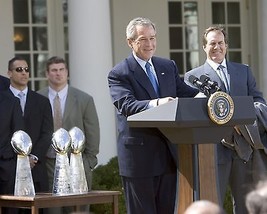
{"x": 91, "y": 36}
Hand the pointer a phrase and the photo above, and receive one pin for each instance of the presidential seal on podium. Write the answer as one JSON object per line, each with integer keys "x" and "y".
{"x": 220, "y": 107}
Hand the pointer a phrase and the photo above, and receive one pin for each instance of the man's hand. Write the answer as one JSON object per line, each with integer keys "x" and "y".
{"x": 164, "y": 100}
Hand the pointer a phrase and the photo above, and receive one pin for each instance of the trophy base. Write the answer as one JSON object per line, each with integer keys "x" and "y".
{"x": 78, "y": 178}
{"x": 61, "y": 185}
{"x": 24, "y": 182}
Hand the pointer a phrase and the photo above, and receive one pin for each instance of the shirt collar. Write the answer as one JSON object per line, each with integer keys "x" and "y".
{"x": 215, "y": 65}
{"x": 141, "y": 62}
{"x": 15, "y": 91}
{"x": 62, "y": 93}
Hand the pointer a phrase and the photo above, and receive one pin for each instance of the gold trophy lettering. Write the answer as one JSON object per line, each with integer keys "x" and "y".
{"x": 22, "y": 145}
{"x": 61, "y": 144}
{"x": 78, "y": 178}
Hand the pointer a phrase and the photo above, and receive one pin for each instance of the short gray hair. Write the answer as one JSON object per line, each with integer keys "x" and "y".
{"x": 139, "y": 21}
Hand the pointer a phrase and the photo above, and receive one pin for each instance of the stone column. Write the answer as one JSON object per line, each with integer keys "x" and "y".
{"x": 90, "y": 59}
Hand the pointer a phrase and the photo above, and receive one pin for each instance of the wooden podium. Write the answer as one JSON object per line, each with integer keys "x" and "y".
{"x": 185, "y": 122}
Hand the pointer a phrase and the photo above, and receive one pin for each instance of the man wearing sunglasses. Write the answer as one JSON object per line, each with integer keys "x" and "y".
{"x": 37, "y": 114}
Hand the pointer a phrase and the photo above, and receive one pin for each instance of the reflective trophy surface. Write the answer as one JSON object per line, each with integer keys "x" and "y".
{"x": 22, "y": 145}
{"x": 78, "y": 178}
{"x": 61, "y": 144}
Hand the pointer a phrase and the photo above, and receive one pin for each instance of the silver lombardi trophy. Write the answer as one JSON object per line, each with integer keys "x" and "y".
{"x": 22, "y": 145}
{"x": 61, "y": 144}
{"x": 78, "y": 178}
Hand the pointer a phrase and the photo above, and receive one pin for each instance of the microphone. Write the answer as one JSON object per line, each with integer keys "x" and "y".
{"x": 212, "y": 84}
{"x": 202, "y": 86}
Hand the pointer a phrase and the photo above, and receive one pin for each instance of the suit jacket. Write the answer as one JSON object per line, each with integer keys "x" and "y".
{"x": 143, "y": 152}
{"x": 4, "y": 83}
{"x": 11, "y": 121}
{"x": 242, "y": 83}
{"x": 80, "y": 111}
{"x": 38, "y": 121}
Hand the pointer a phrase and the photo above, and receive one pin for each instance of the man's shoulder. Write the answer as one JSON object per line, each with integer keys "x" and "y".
{"x": 194, "y": 71}
{"x": 78, "y": 92}
{"x": 38, "y": 96}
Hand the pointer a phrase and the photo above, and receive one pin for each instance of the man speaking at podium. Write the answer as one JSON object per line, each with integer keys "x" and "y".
{"x": 147, "y": 161}
{"x": 237, "y": 80}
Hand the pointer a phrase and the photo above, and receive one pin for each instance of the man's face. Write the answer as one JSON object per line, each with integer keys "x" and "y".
{"x": 216, "y": 47}
{"x": 19, "y": 74}
{"x": 57, "y": 75}
{"x": 144, "y": 45}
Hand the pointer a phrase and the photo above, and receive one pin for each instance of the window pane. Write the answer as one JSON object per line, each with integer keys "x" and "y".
{"x": 175, "y": 13}
{"x": 178, "y": 58}
{"x": 176, "y": 38}
{"x": 191, "y": 37}
{"x": 20, "y": 11}
{"x": 39, "y": 84}
{"x": 192, "y": 60}
{"x": 235, "y": 56}
{"x": 39, "y": 11}
{"x": 190, "y": 13}
{"x": 40, "y": 38}
{"x": 233, "y": 12}
{"x": 39, "y": 61}
{"x": 234, "y": 35}
{"x": 21, "y": 38}
{"x": 218, "y": 13}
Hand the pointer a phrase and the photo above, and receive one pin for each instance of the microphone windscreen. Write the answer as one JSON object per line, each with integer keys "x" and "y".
{"x": 204, "y": 78}
{"x": 192, "y": 79}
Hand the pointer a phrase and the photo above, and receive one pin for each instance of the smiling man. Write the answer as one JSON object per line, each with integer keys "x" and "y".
{"x": 147, "y": 160}
{"x": 237, "y": 80}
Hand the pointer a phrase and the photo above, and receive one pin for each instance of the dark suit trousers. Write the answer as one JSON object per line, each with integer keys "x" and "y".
{"x": 238, "y": 175}
{"x": 151, "y": 195}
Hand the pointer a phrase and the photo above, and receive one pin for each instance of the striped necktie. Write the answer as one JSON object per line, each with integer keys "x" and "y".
{"x": 224, "y": 78}
{"x": 57, "y": 113}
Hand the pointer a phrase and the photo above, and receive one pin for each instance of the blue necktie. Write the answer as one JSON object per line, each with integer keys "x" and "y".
{"x": 152, "y": 78}
{"x": 224, "y": 78}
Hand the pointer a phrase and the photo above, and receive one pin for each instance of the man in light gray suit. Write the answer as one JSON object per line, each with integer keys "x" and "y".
{"x": 78, "y": 110}
{"x": 238, "y": 81}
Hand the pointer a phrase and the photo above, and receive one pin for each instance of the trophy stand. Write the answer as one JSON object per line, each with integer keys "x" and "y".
{"x": 22, "y": 145}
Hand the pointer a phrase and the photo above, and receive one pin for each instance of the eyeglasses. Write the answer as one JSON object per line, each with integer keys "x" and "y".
{"x": 21, "y": 69}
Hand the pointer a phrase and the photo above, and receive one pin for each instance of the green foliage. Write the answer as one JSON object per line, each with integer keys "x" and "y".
{"x": 106, "y": 177}
{"x": 228, "y": 205}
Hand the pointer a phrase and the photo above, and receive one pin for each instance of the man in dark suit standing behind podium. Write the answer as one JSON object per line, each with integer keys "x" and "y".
{"x": 232, "y": 169}
{"x": 147, "y": 161}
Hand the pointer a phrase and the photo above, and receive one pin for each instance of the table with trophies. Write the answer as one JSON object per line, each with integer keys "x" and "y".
{"x": 69, "y": 185}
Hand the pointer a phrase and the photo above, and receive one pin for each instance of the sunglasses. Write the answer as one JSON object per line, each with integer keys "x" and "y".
{"x": 21, "y": 69}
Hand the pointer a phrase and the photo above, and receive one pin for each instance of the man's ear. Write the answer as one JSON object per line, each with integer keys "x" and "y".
{"x": 9, "y": 73}
{"x": 130, "y": 42}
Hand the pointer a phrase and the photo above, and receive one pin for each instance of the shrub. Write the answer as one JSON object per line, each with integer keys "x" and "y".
{"x": 106, "y": 177}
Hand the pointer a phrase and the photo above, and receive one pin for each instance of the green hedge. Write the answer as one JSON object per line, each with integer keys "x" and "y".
{"x": 106, "y": 177}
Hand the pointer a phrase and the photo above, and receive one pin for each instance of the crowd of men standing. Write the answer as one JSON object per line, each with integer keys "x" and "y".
{"x": 24, "y": 109}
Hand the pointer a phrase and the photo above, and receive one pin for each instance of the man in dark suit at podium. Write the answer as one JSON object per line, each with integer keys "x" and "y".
{"x": 238, "y": 80}
{"x": 147, "y": 161}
